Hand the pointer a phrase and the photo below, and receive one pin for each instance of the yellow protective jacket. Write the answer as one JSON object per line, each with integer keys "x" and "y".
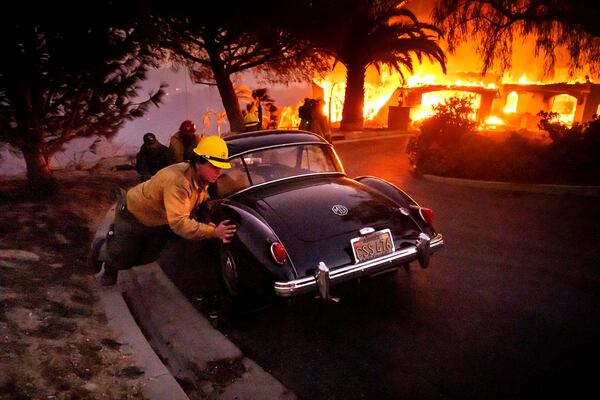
{"x": 179, "y": 150}
{"x": 168, "y": 198}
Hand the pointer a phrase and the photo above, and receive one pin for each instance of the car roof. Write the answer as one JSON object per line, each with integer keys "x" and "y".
{"x": 243, "y": 142}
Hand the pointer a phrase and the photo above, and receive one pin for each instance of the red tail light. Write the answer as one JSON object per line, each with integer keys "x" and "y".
{"x": 278, "y": 252}
{"x": 426, "y": 214}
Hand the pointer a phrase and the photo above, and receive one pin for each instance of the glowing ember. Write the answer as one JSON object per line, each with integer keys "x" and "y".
{"x": 493, "y": 122}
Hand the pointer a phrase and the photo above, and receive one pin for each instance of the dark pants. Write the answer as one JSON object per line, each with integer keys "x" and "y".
{"x": 133, "y": 243}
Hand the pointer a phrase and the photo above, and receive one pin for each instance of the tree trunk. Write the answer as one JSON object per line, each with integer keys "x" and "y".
{"x": 39, "y": 176}
{"x": 30, "y": 139}
{"x": 227, "y": 92}
{"x": 230, "y": 101}
{"x": 352, "y": 114}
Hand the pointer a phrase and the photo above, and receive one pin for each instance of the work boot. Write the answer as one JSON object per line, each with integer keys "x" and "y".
{"x": 109, "y": 278}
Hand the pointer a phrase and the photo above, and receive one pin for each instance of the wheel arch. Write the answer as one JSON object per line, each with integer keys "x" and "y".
{"x": 253, "y": 238}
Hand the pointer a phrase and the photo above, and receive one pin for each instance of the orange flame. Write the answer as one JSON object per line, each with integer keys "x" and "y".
{"x": 380, "y": 89}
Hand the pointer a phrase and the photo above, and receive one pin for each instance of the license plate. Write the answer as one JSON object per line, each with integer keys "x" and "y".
{"x": 373, "y": 245}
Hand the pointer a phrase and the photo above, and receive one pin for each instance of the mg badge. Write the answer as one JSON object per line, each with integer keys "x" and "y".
{"x": 339, "y": 209}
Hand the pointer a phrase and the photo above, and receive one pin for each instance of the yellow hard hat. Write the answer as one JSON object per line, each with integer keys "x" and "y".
{"x": 214, "y": 149}
{"x": 250, "y": 119}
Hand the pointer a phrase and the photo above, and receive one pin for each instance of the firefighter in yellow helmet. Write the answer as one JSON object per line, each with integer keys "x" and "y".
{"x": 251, "y": 122}
{"x": 163, "y": 204}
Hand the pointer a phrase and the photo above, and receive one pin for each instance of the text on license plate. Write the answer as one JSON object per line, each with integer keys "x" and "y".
{"x": 372, "y": 246}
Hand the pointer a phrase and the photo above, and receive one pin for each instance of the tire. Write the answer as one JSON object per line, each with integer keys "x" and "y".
{"x": 243, "y": 298}
{"x": 230, "y": 274}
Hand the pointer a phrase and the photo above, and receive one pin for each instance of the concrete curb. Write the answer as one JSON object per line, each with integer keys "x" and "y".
{"x": 158, "y": 382}
{"x": 189, "y": 345}
{"x": 593, "y": 191}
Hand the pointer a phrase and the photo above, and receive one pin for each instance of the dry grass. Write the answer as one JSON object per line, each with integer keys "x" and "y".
{"x": 54, "y": 340}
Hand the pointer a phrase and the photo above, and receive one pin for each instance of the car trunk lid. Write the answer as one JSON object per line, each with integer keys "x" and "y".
{"x": 316, "y": 212}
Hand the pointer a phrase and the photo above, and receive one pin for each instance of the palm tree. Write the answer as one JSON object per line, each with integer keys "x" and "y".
{"x": 261, "y": 96}
{"x": 379, "y": 33}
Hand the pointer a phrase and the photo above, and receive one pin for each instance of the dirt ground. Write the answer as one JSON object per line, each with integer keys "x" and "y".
{"x": 54, "y": 340}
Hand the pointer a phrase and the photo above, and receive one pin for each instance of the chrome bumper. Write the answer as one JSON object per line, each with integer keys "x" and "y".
{"x": 309, "y": 283}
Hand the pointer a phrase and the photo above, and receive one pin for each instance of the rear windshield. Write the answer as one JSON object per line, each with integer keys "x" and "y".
{"x": 276, "y": 163}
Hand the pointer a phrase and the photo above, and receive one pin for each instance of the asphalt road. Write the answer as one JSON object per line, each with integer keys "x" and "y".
{"x": 510, "y": 308}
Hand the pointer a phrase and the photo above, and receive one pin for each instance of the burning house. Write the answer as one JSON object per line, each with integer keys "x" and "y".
{"x": 498, "y": 102}
{"x": 511, "y": 104}
{"x": 508, "y": 100}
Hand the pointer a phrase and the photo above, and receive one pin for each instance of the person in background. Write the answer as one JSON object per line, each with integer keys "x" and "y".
{"x": 305, "y": 114}
{"x": 184, "y": 141}
{"x": 152, "y": 156}
{"x": 154, "y": 209}
{"x": 319, "y": 122}
{"x": 273, "y": 117}
{"x": 251, "y": 122}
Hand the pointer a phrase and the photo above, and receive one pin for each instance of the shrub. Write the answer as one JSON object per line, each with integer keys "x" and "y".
{"x": 451, "y": 120}
{"x": 573, "y": 154}
{"x": 449, "y": 146}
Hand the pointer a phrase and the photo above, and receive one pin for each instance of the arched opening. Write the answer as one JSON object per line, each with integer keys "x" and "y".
{"x": 431, "y": 99}
{"x": 565, "y": 106}
{"x": 512, "y": 100}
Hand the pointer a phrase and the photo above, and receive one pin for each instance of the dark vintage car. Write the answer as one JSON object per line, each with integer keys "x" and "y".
{"x": 303, "y": 225}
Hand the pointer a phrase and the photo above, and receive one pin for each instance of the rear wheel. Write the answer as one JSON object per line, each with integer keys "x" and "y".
{"x": 229, "y": 274}
{"x": 244, "y": 297}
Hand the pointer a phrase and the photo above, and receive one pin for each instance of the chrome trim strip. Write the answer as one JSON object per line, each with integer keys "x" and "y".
{"x": 287, "y": 178}
{"x": 339, "y": 163}
{"x": 275, "y": 146}
{"x": 303, "y": 285}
